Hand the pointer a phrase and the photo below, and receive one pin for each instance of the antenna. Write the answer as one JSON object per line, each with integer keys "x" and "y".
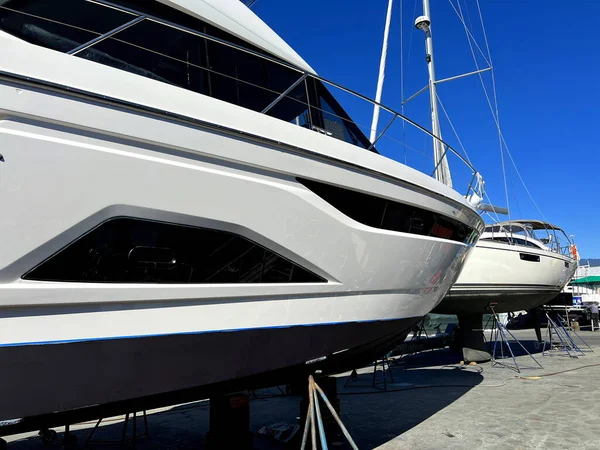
{"x": 249, "y": 3}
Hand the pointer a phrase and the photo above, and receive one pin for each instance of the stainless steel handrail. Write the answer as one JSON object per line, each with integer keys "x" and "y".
{"x": 303, "y": 77}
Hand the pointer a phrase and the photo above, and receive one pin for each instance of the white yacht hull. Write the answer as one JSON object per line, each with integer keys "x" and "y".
{"x": 498, "y": 273}
{"x": 73, "y": 161}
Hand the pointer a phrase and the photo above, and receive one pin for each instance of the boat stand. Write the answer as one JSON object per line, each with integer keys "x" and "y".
{"x": 352, "y": 377}
{"x": 563, "y": 344}
{"x": 386, "y": 370}
{"x": 124, "y": 440}
{"x": 501, "y": 337}
{"x": 314, "y": 415}
{"x": 48, "y": 437}
{"x": 571, "y": 331}
{"x": 413, "y": 346}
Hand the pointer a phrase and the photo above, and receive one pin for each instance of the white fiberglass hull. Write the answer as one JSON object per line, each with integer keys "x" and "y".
{"x": 513, "y": 277}
{"x": 75, "y": 161}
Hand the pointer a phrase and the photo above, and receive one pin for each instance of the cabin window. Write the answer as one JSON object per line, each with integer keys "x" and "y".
{"x": 385, "y": 214}
{"x": 492, "y": 229}
{"x": 59, "y": 25}
{"x": 128, "y": 250}
{"x": 335, "y": 119}
{"x": 513, "y": 240}
{"x": 179, "y": 57}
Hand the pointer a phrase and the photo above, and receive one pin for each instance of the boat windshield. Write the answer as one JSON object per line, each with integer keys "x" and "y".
{"x": 554, "y": 238}
{"x": 518, "y": 230}
{"x": 551, "y": 238}
{"x": 514, "y": 234}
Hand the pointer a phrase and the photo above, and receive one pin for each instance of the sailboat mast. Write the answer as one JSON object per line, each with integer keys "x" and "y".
{"x": 442, "y": 172}
{"x": 386, "y": 34}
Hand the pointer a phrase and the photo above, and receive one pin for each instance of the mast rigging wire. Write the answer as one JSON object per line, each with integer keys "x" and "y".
{"x": 471, "y": 40}
{"x": 498, "y": 117}
{"x": 464, "y": 151}
{"x": 469, "y": 32}
{"x": 412, "y": 29}
{"x": 493, "y": 107}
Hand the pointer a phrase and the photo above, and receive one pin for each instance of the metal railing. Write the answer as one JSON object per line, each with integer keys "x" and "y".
{"x": 351, "y": 130}
{"x": 553, "y": 242}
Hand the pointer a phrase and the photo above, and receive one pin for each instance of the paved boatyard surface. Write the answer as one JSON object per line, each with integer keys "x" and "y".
{"x": 475, "y": 407}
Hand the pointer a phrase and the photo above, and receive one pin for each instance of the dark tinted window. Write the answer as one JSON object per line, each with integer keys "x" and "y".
{"x": 492, "y": 229}
{"x": 328, "y": 114}
{"x": 59, "y": 25}
{"x": 179, "y": 57}
{"x": 528, "y": 257}
{"x": 513, "y": 240}
{"x": 377, "y": 212}
{"x": 194, "y": 63}
{"x": 154, "y": 50}
{"x": 125, "y": 250}
{"x": 337, "y": 121}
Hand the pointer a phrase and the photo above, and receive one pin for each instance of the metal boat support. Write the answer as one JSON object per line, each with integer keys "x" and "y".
{"x": 500, "y": 339}
{"x": 124, "y": 441}
{"x": 559, "y": 340}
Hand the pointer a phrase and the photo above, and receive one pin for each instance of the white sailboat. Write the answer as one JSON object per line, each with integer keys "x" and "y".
{"x": 180, "y": 214}
{"x": 516, "y": 265}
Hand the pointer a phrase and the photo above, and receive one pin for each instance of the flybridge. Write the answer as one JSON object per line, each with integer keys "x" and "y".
{"x": 168, "y": 46}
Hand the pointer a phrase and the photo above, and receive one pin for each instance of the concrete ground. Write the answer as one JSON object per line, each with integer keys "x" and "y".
{"x": 433, "y": 403}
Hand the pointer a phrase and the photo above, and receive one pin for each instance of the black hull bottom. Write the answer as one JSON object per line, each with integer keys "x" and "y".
{"x": 51, "y": 385}
{"x": 470, "y": 302}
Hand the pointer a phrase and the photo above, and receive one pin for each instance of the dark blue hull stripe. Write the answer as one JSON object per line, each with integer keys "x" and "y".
{"x": 230, "y": 330}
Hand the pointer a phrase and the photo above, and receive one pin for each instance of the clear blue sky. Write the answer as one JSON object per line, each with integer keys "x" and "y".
{"x": 541, "y": 51}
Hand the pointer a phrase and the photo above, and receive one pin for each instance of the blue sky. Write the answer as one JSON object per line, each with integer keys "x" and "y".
{"x": 541, "y": 52}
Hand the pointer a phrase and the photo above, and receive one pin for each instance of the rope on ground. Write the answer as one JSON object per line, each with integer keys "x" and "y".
{"x": 537, "y": 377}
{"x": 425, "y": 386}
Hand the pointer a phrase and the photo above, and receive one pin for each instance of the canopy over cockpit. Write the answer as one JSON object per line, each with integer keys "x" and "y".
{"x": 533, "y": 224}
{"x": 531, "y": 233}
